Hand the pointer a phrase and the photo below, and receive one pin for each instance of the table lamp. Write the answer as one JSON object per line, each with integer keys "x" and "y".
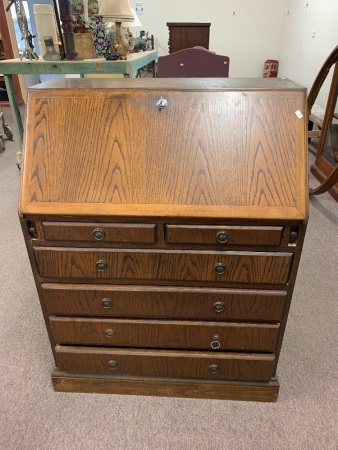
{"x": 135, "y": 24}
{"x": 117, "y": 11}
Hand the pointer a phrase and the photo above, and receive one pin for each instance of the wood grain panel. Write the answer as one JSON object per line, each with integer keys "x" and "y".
{"x": 119, "y": 232}
{"x": 147, "y": 164}
{"x": 183, "y": 364}
{"x": 241, "y": 267}
{"x": 269, "y": 168}
{"x": 203, "y": 234}
{"x": 167, "y": 387}
{"x": 163, "y": 302}
{"x": 163, "y": 334}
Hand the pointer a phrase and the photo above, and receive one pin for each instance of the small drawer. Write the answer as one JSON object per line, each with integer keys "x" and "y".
{"x": 163, "y": 266}
{"x": 100, "y": 232}
{"x": 164, "y": 334}
{"x": 163, "y": 302}
{"x": 164, "y": 363}
{"x": 218, "y": 235}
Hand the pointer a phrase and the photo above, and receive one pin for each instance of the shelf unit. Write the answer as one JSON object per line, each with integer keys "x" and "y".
{"x": 6, "y": 52}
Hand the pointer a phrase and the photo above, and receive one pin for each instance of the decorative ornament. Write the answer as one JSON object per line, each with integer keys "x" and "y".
{"x": 66, "y": 16}
{"x": 26, "y": 35}
{"x": 120, "y": 42}
{"x": 101, "y": 37}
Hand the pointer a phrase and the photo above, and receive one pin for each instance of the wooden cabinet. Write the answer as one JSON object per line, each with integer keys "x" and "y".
{"x": 187, "y": 35}
{"x": 2, "y": 50}
{"x": 164, "y": 224}
{"x": 3, "y": 92}
{"x": 6, "y": 52}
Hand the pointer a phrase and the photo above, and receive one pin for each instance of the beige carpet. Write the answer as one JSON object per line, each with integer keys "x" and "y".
{"x": 33, "y": 416}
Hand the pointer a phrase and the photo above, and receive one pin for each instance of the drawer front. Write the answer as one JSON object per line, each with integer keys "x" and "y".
{"x": 96, "y": 232}
{"x": 163, "y": 302}
{"x": 222, "y": 267}
{"x": 217, "y": 235}
{"x": 164, "y": 334}
{"x": 164, "y": 363}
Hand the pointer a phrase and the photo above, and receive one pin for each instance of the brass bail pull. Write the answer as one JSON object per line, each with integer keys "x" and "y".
{"x": 99, "y": 234}
{"x": 101, "y": 265}
{"x": 214, "y": 368}
{"x": 215, "y": 341}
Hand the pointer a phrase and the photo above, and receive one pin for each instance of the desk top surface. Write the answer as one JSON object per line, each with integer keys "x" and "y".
{"x": 283, "y": 85}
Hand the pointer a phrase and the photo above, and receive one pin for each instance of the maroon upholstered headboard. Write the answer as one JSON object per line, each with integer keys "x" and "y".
{"x": 193, "y": 62}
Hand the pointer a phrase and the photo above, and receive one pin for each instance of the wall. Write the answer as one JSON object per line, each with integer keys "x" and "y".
{"x": 301, "y": 55}
{"x": 251, "y": 31}
{"x": 248, "y": 31}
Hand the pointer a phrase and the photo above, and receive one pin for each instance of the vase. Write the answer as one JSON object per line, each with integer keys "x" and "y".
{"x": 120, "y": 43}
{"x": 45, "y": 25}
{"x": 101, "y": 37}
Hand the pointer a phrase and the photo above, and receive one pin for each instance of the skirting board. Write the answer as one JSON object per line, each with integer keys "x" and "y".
{"x": 206, "y": 389}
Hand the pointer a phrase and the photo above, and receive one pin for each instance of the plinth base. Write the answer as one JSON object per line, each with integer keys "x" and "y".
{"x": 169, "y": 387}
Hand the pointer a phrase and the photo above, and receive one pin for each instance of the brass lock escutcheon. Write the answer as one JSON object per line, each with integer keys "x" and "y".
{"x": 222, "y": 237}
{"x": 214, "y": 368}
{"x": 215, "y": 341}
{"x": 219, "y": 268}
{"x": 162, "y": 103}
{"x": 110, "y": 333}
{"x": 112, "y": 364}
{"x": 219, "y": 306}
{"x": 99, "y": 234}
{"x": 101, "y": 265}
{"x": 106, "y": 303}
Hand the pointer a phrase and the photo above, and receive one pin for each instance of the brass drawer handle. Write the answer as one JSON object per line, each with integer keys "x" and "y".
{"x": 110, "y": 333}
{"x": 101, "y": 265}
{"x": 112, "y": 364}
{"x": 214, "y": 368}
{"x": 99, "y": 234}
{"x": 106, "y": 303}
{"x": 222, "y": 237}
{"x": 220, "y": 268}
{"x": 215, "y": 341}
{"x": 219, "y": 306}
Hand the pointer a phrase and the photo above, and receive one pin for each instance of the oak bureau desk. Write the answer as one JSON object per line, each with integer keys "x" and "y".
{"x": 164, "y": 221}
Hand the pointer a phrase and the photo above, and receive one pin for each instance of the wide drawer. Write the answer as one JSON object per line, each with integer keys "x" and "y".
{"x": 164, "y": 334}
{"x": 231, "y": 267}
{"x": 164, "y": 363}
{"x": 105, "y": 232}
{"x": 163, "y": 302}
{"x": 217, "y": 235}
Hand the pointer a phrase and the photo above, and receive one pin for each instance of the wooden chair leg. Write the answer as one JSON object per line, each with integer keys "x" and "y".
{"x": 327, "y": 184}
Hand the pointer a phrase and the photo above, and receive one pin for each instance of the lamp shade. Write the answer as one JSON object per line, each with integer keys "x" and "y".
{"x": 136, "y": 24}
{"x": 115, "y": 10}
